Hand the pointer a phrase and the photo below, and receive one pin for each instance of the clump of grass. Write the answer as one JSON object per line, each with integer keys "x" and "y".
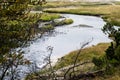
{"x": 86, "y": 54}
{"x": 67, "y": 21}
{"x": 63, "y": 22}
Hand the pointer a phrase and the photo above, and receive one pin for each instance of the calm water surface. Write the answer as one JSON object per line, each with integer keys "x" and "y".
{"x": 67, "y": 38}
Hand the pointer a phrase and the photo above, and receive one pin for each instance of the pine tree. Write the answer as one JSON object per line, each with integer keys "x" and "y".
{"x": 15, "y": 32}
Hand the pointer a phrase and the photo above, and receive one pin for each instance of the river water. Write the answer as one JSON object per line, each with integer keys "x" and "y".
{"x": 67, "y": 38}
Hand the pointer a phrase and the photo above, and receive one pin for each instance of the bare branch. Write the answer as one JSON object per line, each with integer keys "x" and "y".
{"x": 76, "y": 58}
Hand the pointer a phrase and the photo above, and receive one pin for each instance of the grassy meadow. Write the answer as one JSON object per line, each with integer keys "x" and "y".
{"x": 109, "y": 12}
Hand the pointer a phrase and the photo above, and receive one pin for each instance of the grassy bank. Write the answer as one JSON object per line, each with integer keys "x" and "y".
{"x": 56, "y": 4}
{"x": 110, "y": 13}
{"x": 86, "y": 54}
{"x": 44, "y": 16}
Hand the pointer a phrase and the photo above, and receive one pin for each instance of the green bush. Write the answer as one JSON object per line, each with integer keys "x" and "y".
{"x": 99, "y": 62}
{"x": 112, "y": 57}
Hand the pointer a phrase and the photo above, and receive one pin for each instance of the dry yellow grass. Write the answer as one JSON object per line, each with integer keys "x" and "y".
{"x": 111, "y": 13}
{"x": 85, "y": 55}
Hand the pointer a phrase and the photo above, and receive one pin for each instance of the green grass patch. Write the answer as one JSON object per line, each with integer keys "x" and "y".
{"x": 43, "y": 16}
{"x": 49, "y": 17}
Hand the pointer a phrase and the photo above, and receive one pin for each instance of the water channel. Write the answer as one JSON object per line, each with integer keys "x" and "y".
{"x": 67, "y": 38}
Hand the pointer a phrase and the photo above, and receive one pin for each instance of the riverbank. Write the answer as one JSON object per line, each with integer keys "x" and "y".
{"x": 86, "y": 54}
{"x": 46, "y": 22}
{"x": 110, "y": 13}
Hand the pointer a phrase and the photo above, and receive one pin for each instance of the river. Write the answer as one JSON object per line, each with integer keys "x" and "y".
{"x": 67, "y": 38}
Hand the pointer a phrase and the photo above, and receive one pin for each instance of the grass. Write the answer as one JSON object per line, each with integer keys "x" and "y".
{"x": 114, "y": 76}
{"x": 85, "y": 55}
{"x": 35, "y": 17}
{"x": 110, "y": 13}
{"x": 44, "y": 16}
{"x": 63, "y": 22}
{"x": 56, "y": 4}
{"x": 48, "y": 17}
{"x": 60, "y": 4}
{"x": 117, "y": 3}
{"x": 68, "y": 21}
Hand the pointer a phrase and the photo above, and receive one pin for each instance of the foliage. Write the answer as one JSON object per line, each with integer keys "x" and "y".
{"x": 98, "y": 62}
{"x": 112, "y": 57}
{"x": 15, "y": 32}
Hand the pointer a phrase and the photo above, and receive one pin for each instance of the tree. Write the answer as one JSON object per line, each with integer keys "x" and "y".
{"x": 15, "y": 32}
{"x": 112, "y": 56}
